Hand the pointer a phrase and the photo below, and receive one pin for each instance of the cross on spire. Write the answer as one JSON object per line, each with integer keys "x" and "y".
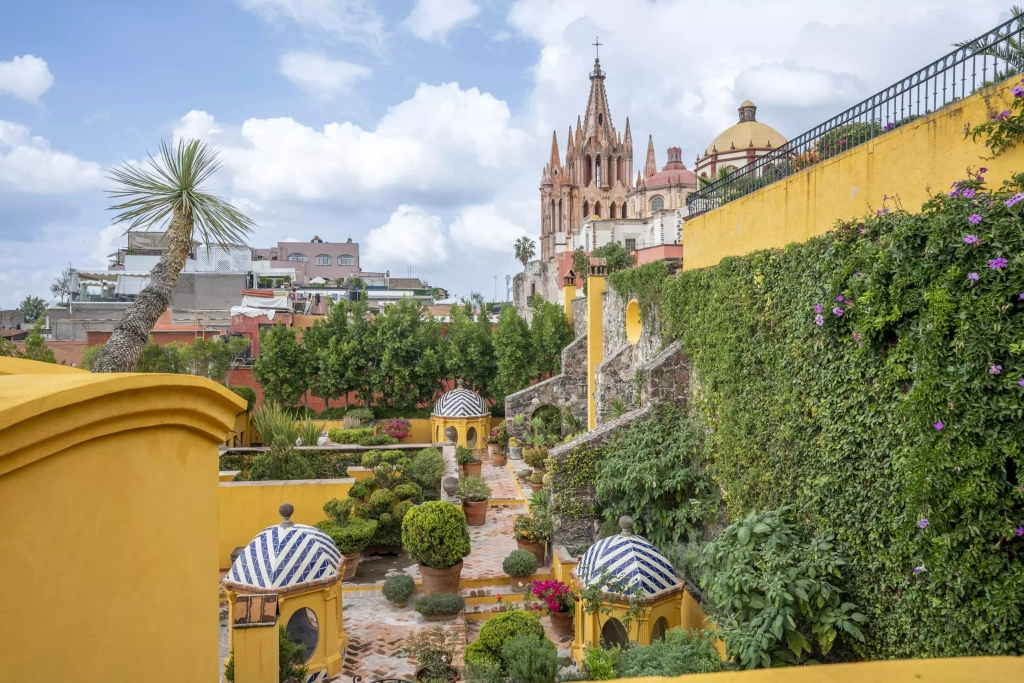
{"x": 597, "y": 48}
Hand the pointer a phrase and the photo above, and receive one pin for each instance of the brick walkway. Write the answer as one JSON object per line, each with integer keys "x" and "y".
{"x": 501, "y": 481}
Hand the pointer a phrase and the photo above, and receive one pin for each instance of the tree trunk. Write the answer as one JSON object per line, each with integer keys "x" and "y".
{"x": 121, "y": 353}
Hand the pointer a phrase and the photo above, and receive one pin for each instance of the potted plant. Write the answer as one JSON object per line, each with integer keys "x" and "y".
{"x": 535, "y": 457}
{"x": 519, "y": 565}
{"x": 536, "y": 481}
{"x": 398, "y": 589}
{"x": 560, "y": 601}
{"x": 351, "y": 539}
{"x": 434, "y": 651}
{"x": 515, "y": 449}
{"x": 469, "y": 463}
{"x": 440, "y": 606}
{"x": 524, "y": 475}
{"x": 474, "y": 494}
{"x": 531, "y": 533}
{"x": 436, "y": 536}
{"x": 496, "y": 442}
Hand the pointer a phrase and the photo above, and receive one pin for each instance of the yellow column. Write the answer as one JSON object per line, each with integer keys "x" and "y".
{"x": 596, "y": 286}
{"x": 568, "y": 294}
{"x": 254, "y": 639}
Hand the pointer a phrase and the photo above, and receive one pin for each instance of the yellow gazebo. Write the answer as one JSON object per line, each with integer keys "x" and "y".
{"x": 631, "y": 561}
{"x": 300, "y": 566}
{"x": 465, "y": 411}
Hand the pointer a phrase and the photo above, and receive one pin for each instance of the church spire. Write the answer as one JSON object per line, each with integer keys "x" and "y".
{"x": 569, "y": 148}
{"x": 651, "y": 167}
{"x": 628, "y": 140}
{"x": 599, "y": 116}
{"x": 554, "y": 162}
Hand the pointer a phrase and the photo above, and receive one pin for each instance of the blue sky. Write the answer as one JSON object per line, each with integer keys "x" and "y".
{"x": 418, "y": 127}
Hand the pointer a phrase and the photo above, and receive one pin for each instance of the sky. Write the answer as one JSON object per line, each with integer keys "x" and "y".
{"x": 419, "y": 128}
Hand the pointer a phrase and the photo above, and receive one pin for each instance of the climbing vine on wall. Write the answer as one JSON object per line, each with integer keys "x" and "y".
{"x": 873, "y": 378}
{"x": 572, "y": 481}
{"x": 645, "y": 282}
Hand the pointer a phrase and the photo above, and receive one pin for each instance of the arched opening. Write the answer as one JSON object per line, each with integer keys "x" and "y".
{"x": 611, "y": 211}
{"x": 471, "y": 437}
{"x": 560, "y": 227}
{"x": 634, "y": 326}
{"x": 586, "y": 209}
{"x": 551, "y": 217}
{"x": 600, "y": 119}
{"x": 551, "y": 417}
{"x": 658, "y": 632}
{"x": 304, "y": 629}
{"x": 323, "y": 260}
{"x": 657, "y": 203}
{"x": 298, "y": 257}
{"x": 614, "y": 633}
{"x": 597, "y": 171}
{"x": 587, "y": 173}
{"x": 437, "y": 434}
{"x": 623, "y": 210}
{"x": 597, "y": 209}
{"x": 346, "y": 260}
{"x": 620, "y": 170}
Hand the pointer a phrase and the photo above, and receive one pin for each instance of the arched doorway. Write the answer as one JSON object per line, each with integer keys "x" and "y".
{"x": 614, "y": 633}
{"x": 658, "y": 632}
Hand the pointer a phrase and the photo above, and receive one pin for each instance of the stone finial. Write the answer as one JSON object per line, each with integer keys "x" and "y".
{"x": 449, "y": 485}
{"x": 286, "y": 511}
{"x": 626, "y": 525}
{"x": 458, "y": 383}
{"x": 450, "y": 435}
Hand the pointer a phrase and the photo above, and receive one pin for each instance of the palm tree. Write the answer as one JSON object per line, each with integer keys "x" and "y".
{"x": 525, "y": 250}
{"x": 723, "y": 171}
{"x": 169, "y": 191}
{"x": 1010, "y": 50}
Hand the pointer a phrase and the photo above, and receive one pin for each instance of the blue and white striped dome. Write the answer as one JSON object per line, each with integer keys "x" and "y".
{"x": 627, "y": 558}
{"x": 282, "y": 556}
{"x": 460, "y": 402}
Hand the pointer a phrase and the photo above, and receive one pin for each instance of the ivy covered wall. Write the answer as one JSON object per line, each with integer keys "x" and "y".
{"x": 873, "y": 379}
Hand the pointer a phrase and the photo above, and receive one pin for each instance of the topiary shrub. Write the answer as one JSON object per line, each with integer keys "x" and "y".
{"x": 376, "y": 440}
{"x": 600, "y": 663}
{"x": 399, "y": 588}
{"x": 436, "y": 534}
{"x": 352, "y": 537}
{"x": 427, "y": 469}
{"x": 681, "y": 652}
{"x": 281, "y": 463}
{"x": 530, "y": 659}
{"x": 440, "y": 604}
{"x": 349, "y": 436}
{"x": 519, "y": 563}
{"x": 498, "y": 630}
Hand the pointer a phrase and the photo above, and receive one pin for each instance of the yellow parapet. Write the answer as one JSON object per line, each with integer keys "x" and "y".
{"x": 597, "y": 283}
{"x": 108, "y": 491}
{"x": 930, "y": 152}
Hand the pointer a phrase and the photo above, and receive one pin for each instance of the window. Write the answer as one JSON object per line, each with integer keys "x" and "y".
{"x": 597, "y": 209}
{"x": 586, "y": 209}
{"x": 298, "y": 257}
{"x": 631, "y": 244}
{"x": 658, "y": 632}
{"x": 323, "y": 260}
{"x": 346, "y": 260}
{"x": 657, "y": 203}
{"x": 304, "y": 629}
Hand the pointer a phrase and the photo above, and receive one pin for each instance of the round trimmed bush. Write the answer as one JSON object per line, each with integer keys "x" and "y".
{"x": 352, "y": 537}
{"x": 498, "y": 630}
{"x": 435, "y": 534}
{"x": 440, "y": 604}
{"x": 520, "y": 563}
{"x": 399, "y": 588}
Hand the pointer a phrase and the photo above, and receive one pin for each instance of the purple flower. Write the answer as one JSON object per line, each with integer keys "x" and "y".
{"x": 974, "y": 218}
{"x": 819, "y": 320}
{"x": 1021, "y": 295}
{"x": 995, "y": 369}
{"x": 889, "y": 126}
{"x": 817, "y": 307}
{"x": 918, "y": 570}
{"x": 1017, "y": 90}
{"x": 1003, "y": 115}
{"x": 837, "y": 311}
{"x": 938, "y": 426}
{"x": 973, "y": 277}
{"x": 953, "y": 193}
{"x": 967, "y": 192}
{"x": 983, "y": 169}
{"x": 1021, "y": 382}
{"x": 1014, "y": 199}
{"x": 970, "y": 239}
{"x": 997, "y": 263}
{"x": 1019, "y": 531}
{"x": 839, "y": 298}
{"x": 923, "y": 523}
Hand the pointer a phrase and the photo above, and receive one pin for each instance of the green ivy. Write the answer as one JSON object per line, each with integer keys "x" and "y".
{"x": 891, "y": 419}
{"x": 645, "y": 282}
{"x": 572, "y": 479}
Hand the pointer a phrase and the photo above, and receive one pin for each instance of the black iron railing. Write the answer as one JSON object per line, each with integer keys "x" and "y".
{"x": 988, "y": 59}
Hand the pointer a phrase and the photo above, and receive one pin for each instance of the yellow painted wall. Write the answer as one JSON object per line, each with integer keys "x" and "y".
{"x": 595, "y": 341}
{"x": 958, "y": 670}
{"x": 249, "y": 507}
{"x": 109, "y": 543}
{"x": 931, "y": 151}
{"x": 419, "y": 429}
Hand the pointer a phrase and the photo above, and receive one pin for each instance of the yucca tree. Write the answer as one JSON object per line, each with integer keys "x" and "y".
{"x": 525, "y": 250}
{"x": 169, "y": 191}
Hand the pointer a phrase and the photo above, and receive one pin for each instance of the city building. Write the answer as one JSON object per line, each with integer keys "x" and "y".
{"x": 329, "y": 261}
{"x": 739, "y": 144}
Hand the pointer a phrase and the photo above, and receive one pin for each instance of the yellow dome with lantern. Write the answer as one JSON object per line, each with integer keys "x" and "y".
{"x": 749, "y": 132}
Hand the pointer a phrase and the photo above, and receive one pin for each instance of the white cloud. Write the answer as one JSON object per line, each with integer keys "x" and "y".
{"x": 485, "y": 227}
{"x": 109, "y": 239}
{"x": 26, "y": 78}
{"x": 28, "y": 164}
{"x": 445, "y": 142}
{"x": 411, "y": 237}
{"x": 322, "y": 77}
{"x": 355, "y": 21}
{"x": 431, "y": 20}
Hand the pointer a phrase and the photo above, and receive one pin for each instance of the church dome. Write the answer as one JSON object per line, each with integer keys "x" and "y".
{"x": 286, "y": 555}
{"x": 461, "y": 402}
{"x": 627, "y": 557}
{"x": 749, "y": 132}
{"x": 673, "y": 173}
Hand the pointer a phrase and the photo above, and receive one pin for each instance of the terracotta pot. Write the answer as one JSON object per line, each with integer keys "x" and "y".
{"x": 498, "y": 459}
{"x": 351, "y": 564}
{"x": 453, "y": 674}
{"x": 441, "y": 580}
{"x": 439, "y": 617}
{"x": 515, "y": 452}
{"x": 540, "y": 469}
{"x": 536, "y": 548}
{"x": 400, "y": 605}
{"x": 561, "y": 623}
{"x": 472, "y": 469}
{"x": 476, "y": 513}
{"x": 536, "y": 487}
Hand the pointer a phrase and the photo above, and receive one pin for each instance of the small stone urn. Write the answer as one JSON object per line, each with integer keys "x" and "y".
{"x": 450, "y": 435}
{"x": 449, "y": 485}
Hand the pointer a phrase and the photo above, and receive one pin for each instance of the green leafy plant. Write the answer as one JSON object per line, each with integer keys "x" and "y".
{"x": 464, "y": 456}
{"x": 483, "y": 672}
{"x": 249, "y": 394}
{"x": 773, "y": 594}
{"x": 681, "y": 652}
{"x": 434, "y": 649}
{"x": 618, "y": 408}
{"x": 532, "y": 528}
{"x": 436, "y": 535}
{"x": 600, "y": 663}
{"x": 352, "y": 537}
{"x": 376, "y": 440}
{"x": 440, "y": 604}
{"x": 309, "y": 432}
{"x": 272, "y": 422}
{"x": 594, "y": 597}
{"x": 280, "y": 463}
{"x": 530, "y": 658}
{"x": 473, "y": 490}
{"x": 573, "y": 477}
{"x": 537, "y": 478}
{"x": 1004, "y": 130}
{"x": 519, "y": 563}
{"x": 535, "y": 457}
{"x": 349, "y": 436}
{"x": 497, "y": 631}
{"x": 427, "y": 469}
